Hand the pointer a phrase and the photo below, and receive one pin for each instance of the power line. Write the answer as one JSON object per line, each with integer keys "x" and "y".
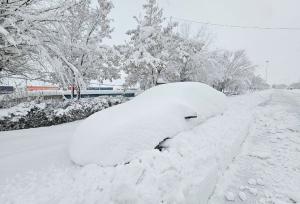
{"x": 236, "y": 26}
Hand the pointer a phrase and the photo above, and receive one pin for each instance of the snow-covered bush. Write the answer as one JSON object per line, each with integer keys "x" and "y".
{"x": 47, "y": 113}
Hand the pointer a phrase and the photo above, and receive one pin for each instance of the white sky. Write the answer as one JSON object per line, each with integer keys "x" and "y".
{"x": 281, "y": 48}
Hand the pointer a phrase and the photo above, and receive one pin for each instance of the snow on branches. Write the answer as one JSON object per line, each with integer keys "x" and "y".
{"x": 148, "y": 50}
{"x": 155, "y": 51}
{"x": 56, "y": 40}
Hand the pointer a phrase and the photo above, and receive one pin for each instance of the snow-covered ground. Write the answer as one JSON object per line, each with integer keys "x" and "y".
{"x": 268, "y": 168}
{"x": 260, "y": 130}
{"x": 34, "y": 149}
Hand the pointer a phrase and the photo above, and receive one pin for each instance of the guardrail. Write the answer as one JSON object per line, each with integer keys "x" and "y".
{"x": 8, "y": 100}
{"x": 67, "y": 94}
{"x": 96, "y": 93}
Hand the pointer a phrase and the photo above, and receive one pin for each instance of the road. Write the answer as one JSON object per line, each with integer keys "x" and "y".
{"x": 268, "y": 168}
{"x": 34, "y": 149}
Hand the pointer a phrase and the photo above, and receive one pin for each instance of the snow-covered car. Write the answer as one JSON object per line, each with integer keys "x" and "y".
{"x": 118, "y": 134}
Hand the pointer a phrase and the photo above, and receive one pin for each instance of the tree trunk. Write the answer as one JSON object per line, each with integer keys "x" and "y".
{"x": 78, "y": 93}
{"x": 72, "y": 91}
{"x": 73, "y": 86}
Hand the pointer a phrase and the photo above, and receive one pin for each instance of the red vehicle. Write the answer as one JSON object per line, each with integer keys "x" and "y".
{"x": 42, "y": 88}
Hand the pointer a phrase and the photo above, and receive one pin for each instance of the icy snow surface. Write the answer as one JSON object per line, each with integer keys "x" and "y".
{"x": 126, "y": 130}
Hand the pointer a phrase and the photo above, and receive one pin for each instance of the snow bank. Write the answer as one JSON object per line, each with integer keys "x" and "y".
{"x": 116, "y": 135}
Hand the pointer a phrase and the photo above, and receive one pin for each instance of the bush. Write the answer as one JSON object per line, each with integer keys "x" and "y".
{"x": 46, "y": 113}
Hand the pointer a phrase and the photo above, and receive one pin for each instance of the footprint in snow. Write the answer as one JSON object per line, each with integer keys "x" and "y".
{"x": 252, "y": 181}
{"x": 253, "y": 191}
{"x": 242, "y": 196}
{"x": 229, "y": 196}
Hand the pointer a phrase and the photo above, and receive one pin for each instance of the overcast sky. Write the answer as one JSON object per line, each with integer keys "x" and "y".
{"x": 280, "y": 47}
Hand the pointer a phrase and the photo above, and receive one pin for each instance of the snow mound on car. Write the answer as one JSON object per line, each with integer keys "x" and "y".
{"x": 120, "y": 133}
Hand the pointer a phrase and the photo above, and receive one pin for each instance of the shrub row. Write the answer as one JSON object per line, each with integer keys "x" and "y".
{"x": 46, "y": 113}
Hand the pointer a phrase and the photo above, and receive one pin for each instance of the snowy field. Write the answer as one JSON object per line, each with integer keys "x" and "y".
{"x": 249, "y": 154}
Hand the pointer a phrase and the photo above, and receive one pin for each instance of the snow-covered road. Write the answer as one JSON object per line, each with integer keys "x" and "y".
{"x": 268, "y": 168}
{"x": 34, "y": 149}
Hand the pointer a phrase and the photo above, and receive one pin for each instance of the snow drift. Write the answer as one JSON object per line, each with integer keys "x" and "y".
{"x": 118, "y": 134}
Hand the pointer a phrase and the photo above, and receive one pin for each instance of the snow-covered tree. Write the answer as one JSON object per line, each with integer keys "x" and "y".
{"x": 258, "y": 83}
{"x": 25, "y": 25}
{"x": 148, "y": 50}
{"x": 235, "y": 71}
{"x": 279, "y": 86}
{"x": 190, "y": 57}
{"x": 58, "y": 40}
{"x": 81, "y": 36}
{"x": 184, "y": 59}
{"x": 295, "y": 85}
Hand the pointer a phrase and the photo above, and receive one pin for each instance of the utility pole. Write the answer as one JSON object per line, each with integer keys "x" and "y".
{"x": 267, "y": 67}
